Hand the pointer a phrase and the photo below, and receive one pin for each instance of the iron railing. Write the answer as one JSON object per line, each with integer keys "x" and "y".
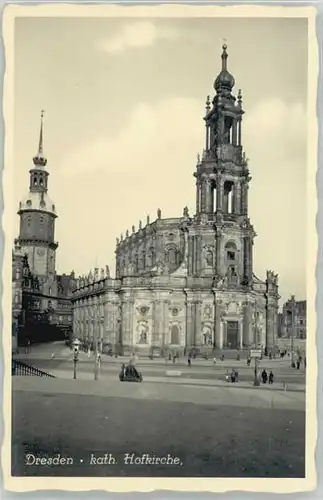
{"x": 21, "y": 369}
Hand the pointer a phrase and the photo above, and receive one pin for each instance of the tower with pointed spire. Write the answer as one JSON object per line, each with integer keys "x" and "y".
{"x": 187, "y": 283}
{"x": 37, "y": 217}
{"x": 222, "y": 181}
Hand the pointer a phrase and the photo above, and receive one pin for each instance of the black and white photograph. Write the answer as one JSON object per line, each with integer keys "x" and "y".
{"x": 160, "y": 253}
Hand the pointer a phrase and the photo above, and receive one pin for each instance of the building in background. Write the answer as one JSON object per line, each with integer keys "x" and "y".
{"x": 41, "y": 297}
{"x": 188, "y": 282}
{"x": 293, "y": 319}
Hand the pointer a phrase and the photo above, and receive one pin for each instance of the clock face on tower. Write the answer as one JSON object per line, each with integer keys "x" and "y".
{"x": 41, "y": 251}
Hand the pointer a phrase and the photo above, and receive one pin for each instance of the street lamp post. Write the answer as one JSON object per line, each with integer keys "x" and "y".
{"x": 256, "y": 381}
{"x": 76, "y": 345}
{"x": 256, "y": 339}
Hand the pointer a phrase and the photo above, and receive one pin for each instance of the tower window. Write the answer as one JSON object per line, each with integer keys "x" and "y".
{"x": 231, "y": 255}
{"x": 28, "y": 203}
{"x": 41, "y": 220}
{"x": 35, "y": 181}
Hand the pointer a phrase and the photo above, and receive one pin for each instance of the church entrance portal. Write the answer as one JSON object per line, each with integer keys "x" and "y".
{"x": 232, "y": 334}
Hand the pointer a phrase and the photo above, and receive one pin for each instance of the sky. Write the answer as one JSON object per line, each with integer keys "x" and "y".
{"x": 124, "y": 101}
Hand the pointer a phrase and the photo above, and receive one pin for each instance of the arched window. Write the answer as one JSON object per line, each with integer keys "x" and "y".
{"x": 171, "y": 256}
{"x": 174, "y": 335}
{"x": 231, "y": 251}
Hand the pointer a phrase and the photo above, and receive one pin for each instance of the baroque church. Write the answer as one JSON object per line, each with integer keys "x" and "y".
{"x": 41, "y": 297}
{"x": 188, "y": 282}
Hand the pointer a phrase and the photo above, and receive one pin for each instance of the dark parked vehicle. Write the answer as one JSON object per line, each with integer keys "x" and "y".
{"x": 129, "y": 374}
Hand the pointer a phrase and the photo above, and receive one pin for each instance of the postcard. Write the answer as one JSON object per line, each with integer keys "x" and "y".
{"x": 160, "y": 248}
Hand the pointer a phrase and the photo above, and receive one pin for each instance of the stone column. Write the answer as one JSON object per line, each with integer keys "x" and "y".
{"x": 217, "y": 321}
{"x": 224, "y": 334}
{"x": 239, "y": 132}
{"x": 190, "y": 254}
{"x": 198, "y": 253}
{"x": 198, "y": 196}
{"x": 203, "y": 196}
{"x": 209, "y": 202}
{"x": 241, "y": 333}
{"x": 165, "y": 316}
{"x": 221, "y": 336}
{"x": 234, "y": 133}
{"x": 233, "y": 199}
{"x": 237, "y": 198}
{"x": 189, "y": 322}
{"x": 250, "y": 259}
{"x": 218, "y": 252}
{"x": 225, "y": 202}
{"x": 197, "y": 329}
{"x": 127, "y": 323}
{"x": 244, "y": 198}
{"x": 270, "y": 334}
{"x": 246, "y": 324}
{"x": 154, "y": 331}
{"x": 219, "y": 197}
{"x": 194, "y": 255}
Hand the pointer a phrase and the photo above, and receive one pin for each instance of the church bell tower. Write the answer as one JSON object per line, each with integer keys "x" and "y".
{"x": 37, "y": 218}
{"x": 222, "y": 183}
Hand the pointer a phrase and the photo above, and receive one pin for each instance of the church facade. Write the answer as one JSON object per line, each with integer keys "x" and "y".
{"x": 188, "y": 282}
{"x": 41, "y": 297}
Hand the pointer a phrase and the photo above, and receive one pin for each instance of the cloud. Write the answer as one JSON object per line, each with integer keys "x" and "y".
{"x": 136, "y": 35}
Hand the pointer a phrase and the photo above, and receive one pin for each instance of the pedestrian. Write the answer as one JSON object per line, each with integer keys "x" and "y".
{"x": 88, "y": 352}
{"x": 227, "y": 376}
{"x": 236, "y": 373}
{"x": 264, "y": 376}
{"x": 174, "y": 358}
{"x": 238, "y": 357}
{"x": 233, "y": 376}
{"x": 189, "y": 362}
{"x": 298, "y": 364}
{"x": 271, "y": 377}
{"x": 248, "y": 361}
{"x": 214, "y": 360}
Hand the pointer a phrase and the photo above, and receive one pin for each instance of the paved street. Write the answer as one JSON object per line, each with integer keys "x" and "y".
{"x": 214, "y": 431}
{"x": 214, "y": 428}
{"x": 202, "y": 372}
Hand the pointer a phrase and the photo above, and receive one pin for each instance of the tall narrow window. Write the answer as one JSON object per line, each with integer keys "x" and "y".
{"x": 215, "y": 193}
{"x": 230, "y": 201}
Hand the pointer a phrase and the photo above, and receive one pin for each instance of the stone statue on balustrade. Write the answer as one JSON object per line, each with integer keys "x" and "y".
{"x": 185, "y": 212}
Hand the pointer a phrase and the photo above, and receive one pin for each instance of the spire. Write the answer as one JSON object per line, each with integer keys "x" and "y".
{"x": 40, "y": 160}
{"x": 224, "y": 81}
{"x": 224, "y": 57}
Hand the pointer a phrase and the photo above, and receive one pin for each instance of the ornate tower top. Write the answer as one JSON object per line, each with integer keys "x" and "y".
{"x": 37, "y": 198}
{"x": 40, "y": 160}
{"x": 224, "y": 81}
